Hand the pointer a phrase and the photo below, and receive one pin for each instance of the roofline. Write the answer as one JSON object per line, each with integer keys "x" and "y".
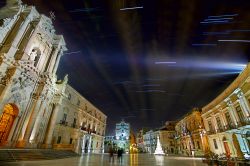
{"x": 229, "y": 90}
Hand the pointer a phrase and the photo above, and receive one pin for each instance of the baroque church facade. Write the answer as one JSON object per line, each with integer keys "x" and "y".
{"x": 33, "y": 111}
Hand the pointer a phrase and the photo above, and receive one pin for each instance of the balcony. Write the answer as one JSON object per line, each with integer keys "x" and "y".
{"x": 230, "y": 126}
{"x": 244, "y": 122}
{"x": 63, "y": 122}
{"x": 83, "y": 128}
{"x": 210, "y": 132}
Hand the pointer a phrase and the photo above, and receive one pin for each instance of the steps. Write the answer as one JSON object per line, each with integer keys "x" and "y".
{"x": 8, "y": 155}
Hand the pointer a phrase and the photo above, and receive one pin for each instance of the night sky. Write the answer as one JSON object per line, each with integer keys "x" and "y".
{"x": 151, "y": 64}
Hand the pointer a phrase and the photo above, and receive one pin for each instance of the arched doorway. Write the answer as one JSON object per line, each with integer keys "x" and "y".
{"x": 7, "y": 118}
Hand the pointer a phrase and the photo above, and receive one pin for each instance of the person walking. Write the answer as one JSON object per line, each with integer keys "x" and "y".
{"x": 119, "y": 154}
{"x": 111, "y": 154}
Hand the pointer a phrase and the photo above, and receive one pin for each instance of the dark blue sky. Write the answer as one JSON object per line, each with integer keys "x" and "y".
{"x": 115, "y": 64}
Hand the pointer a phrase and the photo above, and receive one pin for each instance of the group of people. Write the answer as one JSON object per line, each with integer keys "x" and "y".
{"x": 119, "y": 154}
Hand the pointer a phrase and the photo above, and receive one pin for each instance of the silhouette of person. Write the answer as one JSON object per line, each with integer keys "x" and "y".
{"x": 119, "y": 154}
{"x": 111, "y": 154}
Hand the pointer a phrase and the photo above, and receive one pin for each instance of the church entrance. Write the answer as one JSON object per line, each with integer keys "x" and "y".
{"x": 7, "y": 118}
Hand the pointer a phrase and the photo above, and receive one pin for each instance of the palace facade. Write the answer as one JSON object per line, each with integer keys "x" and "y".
{"x": 191, "y": 139}
{"x": 35, "y": 109}
{"x": 227, "y": 119}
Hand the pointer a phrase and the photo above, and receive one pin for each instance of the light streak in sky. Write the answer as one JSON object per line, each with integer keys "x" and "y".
{"x": 148, "y": 91}
{"x": 132, "y": 8}
{"x": 226, "y": 15}
{"x": 123, "y": 82}
{"x": 207, "y": 64}
{"x": 84, "y": 10}
{"x": 241, "y": 41}
{"x": 218, "y": 19}
{"x": 74, "y": 52}
{"x": 144, "y": 109}
{"x": 165, "y": 62}
{"x": 239, "y": 30}
{"x": 216, "y": 33}
{"x": 151, "y": 85}
{"x": 210, "y": 22}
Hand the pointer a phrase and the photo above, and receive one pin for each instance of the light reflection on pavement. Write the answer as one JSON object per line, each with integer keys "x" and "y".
{"x": 103, "y": 160}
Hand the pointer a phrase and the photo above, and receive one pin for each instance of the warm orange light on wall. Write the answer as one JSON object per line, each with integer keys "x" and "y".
{"x": 6, "y": 121}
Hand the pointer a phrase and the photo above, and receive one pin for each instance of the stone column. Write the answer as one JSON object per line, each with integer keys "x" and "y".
{"x": 214, "y": 122}
{"x": 83, "y": 143}
{"x": 243, "y": 103}
{"x": 57, "y": 61}
{"x": 222, "y": 117}
{"x": 34, "y": 109}
{"x": 12, "y": 47}
{"x": 90, "y": 142}
{"x": 6, "y": 81}
{"x": 37, "y": 122}
{"x": 232, "y": 111}
{"x": 52, "y": 60}
{"x": 205, "y": 123}
{"x": 51, "y": 127}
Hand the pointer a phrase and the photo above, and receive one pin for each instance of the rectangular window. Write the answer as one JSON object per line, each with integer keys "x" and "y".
{"x": 240, "y": 113}
{"x": 198, "y": 144}
{"x": 70, "y": 141}
{"x": 228, "y": 117}
{"x": 210, "y": 126}
{"x": 215, "y": 144}
{"x": 74, "y": 123}
{"x": 64, "y": 117}
{"x": 59, "y": 140}
{"x": 218, "y": 122}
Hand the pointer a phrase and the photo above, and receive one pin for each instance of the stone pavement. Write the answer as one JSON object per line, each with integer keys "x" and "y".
{"x": 104, "y": 160}
{"x": 8, "y": 155}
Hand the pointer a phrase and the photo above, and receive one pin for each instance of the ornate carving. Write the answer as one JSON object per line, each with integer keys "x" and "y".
{"x": 7, "y": 78}
{"x": 17, "y": 97}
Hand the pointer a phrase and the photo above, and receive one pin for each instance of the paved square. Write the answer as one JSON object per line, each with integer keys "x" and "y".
{"x": 104, "y": 160}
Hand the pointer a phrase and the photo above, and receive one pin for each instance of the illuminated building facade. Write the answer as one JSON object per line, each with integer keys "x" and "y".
{"x": 140, "y": 140}
{"x": 150, "y": 140}
{"x": 191, "y": 139}
{"x": 122, "y": 135}
{"x": 32, "y": 100}
{"x": 227, "y": 119}
{"x": 167, "y": 137}
{"x": 80, "y": 126}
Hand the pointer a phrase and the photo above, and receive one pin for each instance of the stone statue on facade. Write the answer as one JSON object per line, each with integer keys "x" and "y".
{"x": 33, "y": 55}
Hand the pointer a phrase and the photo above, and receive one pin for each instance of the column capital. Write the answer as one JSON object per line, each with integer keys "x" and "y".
{"x": 236, "y": 91}
{"x": 240, "y": 94}
{"x": 228, "y": 101}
